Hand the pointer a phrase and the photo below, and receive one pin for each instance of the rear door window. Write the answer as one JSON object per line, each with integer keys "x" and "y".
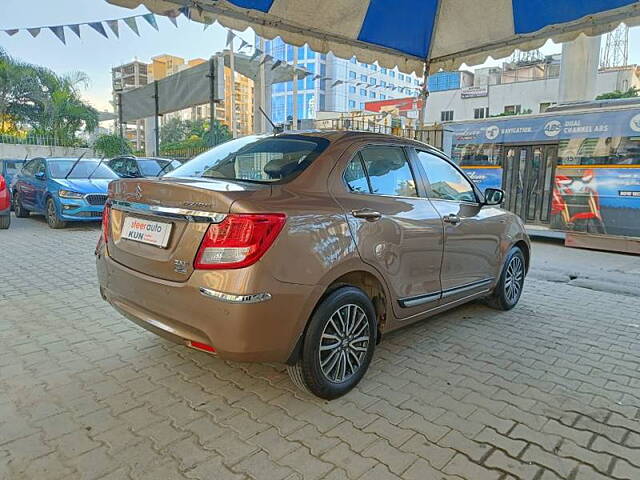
{"x": 388, "y": 171}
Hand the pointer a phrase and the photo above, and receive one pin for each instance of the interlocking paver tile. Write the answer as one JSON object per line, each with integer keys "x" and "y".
{"x": 549, "y": 390}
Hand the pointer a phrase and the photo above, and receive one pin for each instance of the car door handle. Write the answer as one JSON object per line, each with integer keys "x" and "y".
{"x": 452, "y": 219}
{"x": 368, "y": 214}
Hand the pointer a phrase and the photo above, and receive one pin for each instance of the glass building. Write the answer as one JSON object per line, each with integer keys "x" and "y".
{"x": 358, "y": 83}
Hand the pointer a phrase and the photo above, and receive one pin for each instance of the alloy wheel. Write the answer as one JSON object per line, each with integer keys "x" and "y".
{"x": 344, "y": 343}
{"x": 513, "y": 280}
{"x": 51, "y": 212}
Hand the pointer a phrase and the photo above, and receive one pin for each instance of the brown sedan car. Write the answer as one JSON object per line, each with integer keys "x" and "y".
{"x": 305, "y": 248}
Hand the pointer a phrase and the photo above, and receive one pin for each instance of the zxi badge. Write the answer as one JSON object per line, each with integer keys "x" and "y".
{"x": 180, "y": 266}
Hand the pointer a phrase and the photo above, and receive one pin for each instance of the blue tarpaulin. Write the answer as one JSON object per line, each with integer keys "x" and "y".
{"x": 407, "y": 33}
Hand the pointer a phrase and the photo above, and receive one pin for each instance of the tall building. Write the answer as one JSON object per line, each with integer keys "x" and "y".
{"x": 345, "y": 85}
{"x": 126, "y": 77}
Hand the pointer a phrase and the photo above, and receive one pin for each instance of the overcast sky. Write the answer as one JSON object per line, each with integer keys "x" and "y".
{"x": 95, "y": 55}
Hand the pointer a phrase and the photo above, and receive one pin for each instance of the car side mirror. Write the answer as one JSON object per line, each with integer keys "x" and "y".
{"x": 493, "y": 196}
{"x": 40, "y": 175}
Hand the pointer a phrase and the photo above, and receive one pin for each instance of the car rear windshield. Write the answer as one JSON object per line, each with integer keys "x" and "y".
{"x": 259, "y": 159}
{"x": 151, "y": 167}
{"x": 84, "y": 168}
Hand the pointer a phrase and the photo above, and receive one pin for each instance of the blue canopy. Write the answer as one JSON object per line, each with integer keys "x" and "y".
{"x": 408, "y": 33}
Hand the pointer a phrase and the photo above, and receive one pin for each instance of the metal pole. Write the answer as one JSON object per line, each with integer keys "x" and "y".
{"x": 295, "y": 88}
{"x": 120, "y": 126}
{"x": 262, "y": 93}
{"x": 212, "y": 106}
{"x": 425, "y": 95}
{"x": 157, "y": 119}
{"x": 232, "y": 65}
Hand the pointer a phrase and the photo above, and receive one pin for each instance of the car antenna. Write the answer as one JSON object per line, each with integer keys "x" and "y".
{"x": 165, "y": 167}
{"x": 276, "y": 129}
{"x": 74, "y": 165}
{"x": 97, "y": 166}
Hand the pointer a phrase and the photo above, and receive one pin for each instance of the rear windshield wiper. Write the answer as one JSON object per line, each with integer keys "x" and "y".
{"x": 74, "y": 165}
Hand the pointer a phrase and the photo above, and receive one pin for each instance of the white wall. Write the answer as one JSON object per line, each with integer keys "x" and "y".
{"x": 528, "y": 94}
{"x": 8, "y": 151}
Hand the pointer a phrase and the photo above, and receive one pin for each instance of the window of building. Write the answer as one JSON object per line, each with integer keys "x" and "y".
{"x": 353, "y": 60}
{"x": 389, "y": 172}
{"x": 352, "y": 104}
{"x": 383, "y": 83}
{"x": 374, "y": 67}
{"x": 310, "y": 83}
{"x": 277, "y": 109}
{"x": 363, "y": 65}
{"x": 392, "y": 73}
{"x": 383, "y": 70}
{"x": 446, "y": 116}
{"x": 401, "y": 76}
{"x": 372, "y": 94}
{"x": 363, "y": 92}
{"x": 481, "y": 112}
{"x": 352, "y": 75}
{"x": 545, "y": 106}
{"x": 361, "y": 105}
{"x": 311, "y": 55}
{"x": 352, "y": 89}
{"x": 322, "y": 103}
{"x": 372, "y": 81}
{"x": 363, "y": 78}
{"x": 383, "y": 96}
{"x": 446, "y": 182}
{"x": 513, "y": 109}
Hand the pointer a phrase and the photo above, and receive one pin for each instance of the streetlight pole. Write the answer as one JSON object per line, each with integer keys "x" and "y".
{"x": 295, "y": 88}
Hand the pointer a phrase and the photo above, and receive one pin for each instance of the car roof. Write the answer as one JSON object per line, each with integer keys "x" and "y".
{"x": 354, "y": 135}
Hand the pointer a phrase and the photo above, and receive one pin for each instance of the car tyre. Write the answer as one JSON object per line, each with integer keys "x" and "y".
{"x": 507, "y": 292}
{"x": 5, "y": 222}
{"x": 18, "y": 209}
{"x": 53, "y": 219}
{"x": 337, "y": 346}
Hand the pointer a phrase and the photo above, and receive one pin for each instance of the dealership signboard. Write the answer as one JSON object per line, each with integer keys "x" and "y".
{"x": 474, "y": 92}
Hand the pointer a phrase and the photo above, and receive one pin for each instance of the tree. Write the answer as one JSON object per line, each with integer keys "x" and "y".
{"x": 112, "y": 146}
{"x": 177, "y": 133}
{"x": 36, "y": 99}
{"x": 631, "y": 93}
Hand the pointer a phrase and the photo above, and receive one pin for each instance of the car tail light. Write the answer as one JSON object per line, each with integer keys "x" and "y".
{"x": 3, "y": 183}
{"x": 106, "y": 216}
{"x": 239, "y": 240}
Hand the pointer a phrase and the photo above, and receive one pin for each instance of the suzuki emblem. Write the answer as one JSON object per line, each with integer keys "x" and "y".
{"x": 138, "y": 193}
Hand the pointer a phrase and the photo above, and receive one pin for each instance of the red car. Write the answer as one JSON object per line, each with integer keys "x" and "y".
{"x": 5, "y": 205}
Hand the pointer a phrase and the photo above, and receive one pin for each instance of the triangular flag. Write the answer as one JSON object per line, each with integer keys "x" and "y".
{"x": 75, "y": 29}
{"x": 12, "y": 32}
{"x": 113, "y": 25}
{"x": 243, "y": 44}
{"x": 151, "y": 20}
{"x": 34, "y": 32}
{"x": 265, "y": 59}
{"x": 256, "y": 53}
{"x": 132, "y": 24}
{"x": 186, "y": 11}
{"x": 336, "y": 83}
{"x": 173, "y": 20}
{"x": 230, "y": 37}
{"x": 206, "y": 25}
{"x": 58, "y": 31}
{"x": 276, "y": 64}
{"x": 317, "y": 76}
{"x": 98, "y": 27}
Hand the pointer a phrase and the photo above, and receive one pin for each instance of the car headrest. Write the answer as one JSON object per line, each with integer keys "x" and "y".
{"x": 281, "y": 167}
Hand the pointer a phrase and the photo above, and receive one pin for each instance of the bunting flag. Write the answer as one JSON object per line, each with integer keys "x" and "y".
{"x": 151, "y": 20}
{"x": 186, "y": 11}
{"x": 12, "y": 32}
{"x": 276, "y": 64}
{"x": 266, "y": 58}
{"x": 58, "y": 31}
{"x": 243, "y": 44}
{"x": 230, "y": 37}
{"x": 132, "y": 24}
{"x": 173, "y": 20}
{"x": 98, "y": 27}
{"x": 256, "y": 53}
{"x": 75, "y": 28}
{"x": 34, "y": 32}
{"x": 113, "y": 26}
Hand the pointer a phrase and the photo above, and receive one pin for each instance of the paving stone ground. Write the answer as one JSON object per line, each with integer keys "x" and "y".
{"x": 550, "y": 390}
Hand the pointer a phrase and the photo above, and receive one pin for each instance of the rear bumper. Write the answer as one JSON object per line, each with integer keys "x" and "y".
{"x": 260, "y": 330}
{"x": 5, "y": 212}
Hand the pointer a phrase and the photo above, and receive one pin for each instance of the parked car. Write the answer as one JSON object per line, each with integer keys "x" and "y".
{"x": 9, "y": 168}
{"x": 5, "y": 204}
{"x": 305, "y": 249}
{"x": 63, "y": 189}
{"x": 140, "y": 167}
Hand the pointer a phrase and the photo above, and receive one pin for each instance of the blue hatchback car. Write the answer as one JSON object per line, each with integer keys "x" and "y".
{"x": 63, "y": 189}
